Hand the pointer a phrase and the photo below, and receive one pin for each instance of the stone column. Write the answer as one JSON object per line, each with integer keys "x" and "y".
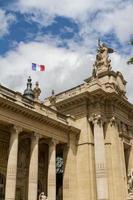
{"x": 11, "y": 174}
{"x": 100, "y": 160}
{"x": 33, "y": 169}
{"x": 52, "y": 170}
{"x": 70, "y": 189}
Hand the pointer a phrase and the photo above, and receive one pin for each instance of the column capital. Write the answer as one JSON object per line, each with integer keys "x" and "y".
{"x": 53, "y": 141}
{"x": 16, "y": 129}
{"x": 113, "y": 121}
{"x": 36, "y": 136}
{"x": 96, "y": 119}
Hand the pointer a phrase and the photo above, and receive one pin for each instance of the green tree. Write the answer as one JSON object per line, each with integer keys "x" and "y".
{"x": 130, "y": 61}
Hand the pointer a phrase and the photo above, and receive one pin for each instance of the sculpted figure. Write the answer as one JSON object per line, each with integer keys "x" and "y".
{"x": 130, "y": 181}
{"x": 102, "y": 63}
{"x": 42, "y": 196}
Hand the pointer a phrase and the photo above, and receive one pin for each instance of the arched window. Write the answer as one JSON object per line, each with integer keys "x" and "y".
{"x": 2, "y": 187}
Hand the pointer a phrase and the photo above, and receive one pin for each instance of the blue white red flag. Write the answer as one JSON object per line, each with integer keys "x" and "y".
{"x": 36, "y": 67}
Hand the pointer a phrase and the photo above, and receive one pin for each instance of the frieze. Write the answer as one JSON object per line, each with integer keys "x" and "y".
{"x": 36, "y": 111}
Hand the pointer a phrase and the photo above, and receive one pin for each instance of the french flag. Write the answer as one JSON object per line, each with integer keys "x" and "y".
{"x": 36, "y": 67}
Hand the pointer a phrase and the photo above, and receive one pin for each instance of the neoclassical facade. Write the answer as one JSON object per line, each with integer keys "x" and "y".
{"x": 75, "y": 145}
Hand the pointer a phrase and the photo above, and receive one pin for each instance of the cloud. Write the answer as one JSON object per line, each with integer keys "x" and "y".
{"x": 93, "y": 18}
{"x": 44, "y": 12}
{"x": 62, "y": 67}
{"x": 65, "y": 68}
{"x": 5, "y": 22}
{"x": 118, "y": 21}
{"x": 67, "y": 8}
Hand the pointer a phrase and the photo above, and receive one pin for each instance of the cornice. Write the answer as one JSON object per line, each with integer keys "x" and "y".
{"x": 15, "y": 102}
{"x": 107, "y": 82}
{"x": 104, "y": 101}
{"x": 109, "y": 73}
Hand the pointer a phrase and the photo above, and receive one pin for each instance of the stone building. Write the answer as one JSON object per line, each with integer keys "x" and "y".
{"x": 75, "y": 145}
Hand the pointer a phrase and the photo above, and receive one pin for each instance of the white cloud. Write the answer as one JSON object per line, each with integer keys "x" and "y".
{"x": 67, "y": 67}
{"x": 44, "y": 11}
{"x": 119, "y": 20}
{"x": 5, "y": 21}
{"x": 67, "y": 8}
{"x": 62, "y": 67}
{"x": 113, "y": 16}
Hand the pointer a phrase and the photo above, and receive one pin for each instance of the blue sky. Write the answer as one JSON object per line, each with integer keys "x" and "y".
{"x": 62, "y": 35}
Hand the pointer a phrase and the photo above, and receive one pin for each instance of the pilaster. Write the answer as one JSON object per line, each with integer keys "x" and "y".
{"x": 100, "y": 158}
{"x": 115, "y": 177}
{"x": 85, "y": 161}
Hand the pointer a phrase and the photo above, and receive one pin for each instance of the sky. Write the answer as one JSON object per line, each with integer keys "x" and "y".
{"x": 63, "y": 36}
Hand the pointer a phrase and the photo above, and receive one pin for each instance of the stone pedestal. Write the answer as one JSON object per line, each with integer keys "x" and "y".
{"x": 33, "y": 169}
{"x": 11, "y": 175}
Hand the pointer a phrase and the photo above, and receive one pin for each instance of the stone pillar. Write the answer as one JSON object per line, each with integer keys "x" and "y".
{"x": 52, "y": 170}
{"x": 70, "y": 190}
{"x": 33, "y": 169}
{"x": 85, "y": 143}
{"x": 11, "y": 175}
{"x": 100, "y": 158}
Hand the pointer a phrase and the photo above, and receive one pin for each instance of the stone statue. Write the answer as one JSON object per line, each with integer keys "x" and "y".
{"x": 130, "y": 182}
{"x": 37, "y": 92}
{"x": 42, "y": 196}
{"x": 53, "y": 98}
{"x": 102, "y": 62}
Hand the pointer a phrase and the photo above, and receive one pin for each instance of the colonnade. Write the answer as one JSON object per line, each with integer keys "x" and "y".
{"x": 69, "y": 184}
{"x": 11, "y": 177}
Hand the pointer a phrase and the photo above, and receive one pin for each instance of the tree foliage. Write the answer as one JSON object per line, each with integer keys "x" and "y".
{"x": 130, "y": 61}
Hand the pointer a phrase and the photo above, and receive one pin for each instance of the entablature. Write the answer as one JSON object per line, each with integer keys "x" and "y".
{"x": 14, "y": 102}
